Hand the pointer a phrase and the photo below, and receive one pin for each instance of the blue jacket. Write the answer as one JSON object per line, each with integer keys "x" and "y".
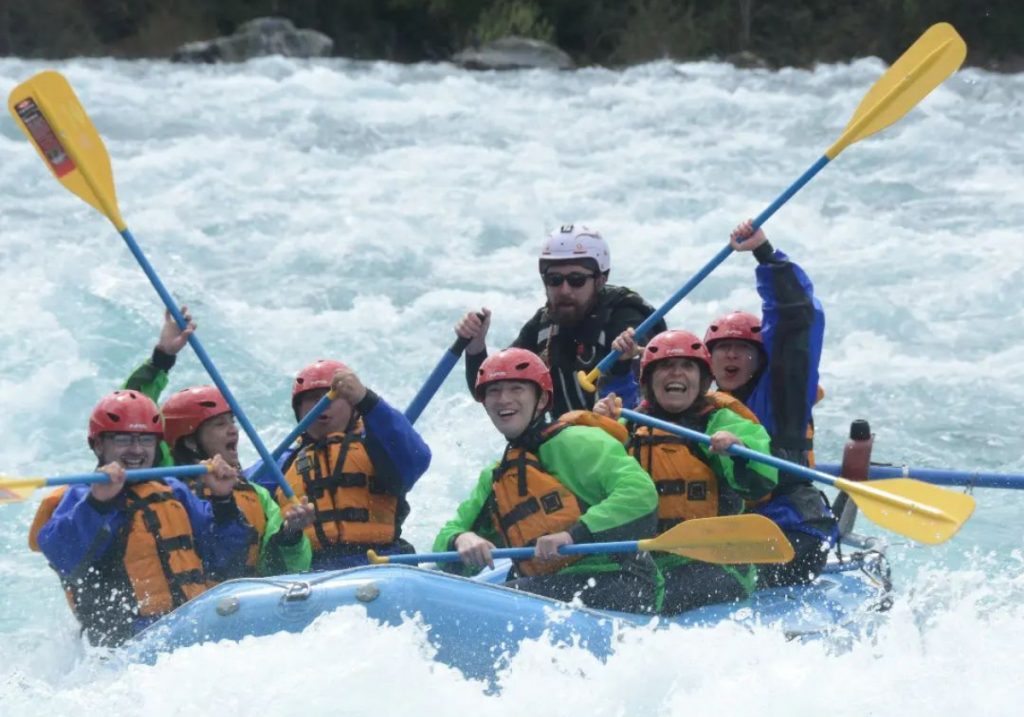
{"x": 783, "y": 394}
{"x": 81, "y": 532}
{"x": 793, "y": 330}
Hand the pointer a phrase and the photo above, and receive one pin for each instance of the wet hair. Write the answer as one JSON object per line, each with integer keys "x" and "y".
{"x": 184, "y": 455}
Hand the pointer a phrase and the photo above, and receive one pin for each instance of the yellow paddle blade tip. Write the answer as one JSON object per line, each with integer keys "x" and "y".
{"x": 375, "y": 559}
{"x": 15, "y": 494}
{"x": 588, "y": 381}
{"x": 921, "y": 511}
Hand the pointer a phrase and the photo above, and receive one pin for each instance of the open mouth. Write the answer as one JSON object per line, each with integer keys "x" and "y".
{"x": 131, "y": 462}
{"x": 675, "y": 387}
{"x": 507, "y": 413}
{"x": 232, "y": 445}
{"x": 732, "y": 371}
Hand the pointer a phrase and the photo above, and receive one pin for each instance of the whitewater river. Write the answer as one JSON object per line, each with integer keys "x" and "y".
{"x": 356, "y": 210}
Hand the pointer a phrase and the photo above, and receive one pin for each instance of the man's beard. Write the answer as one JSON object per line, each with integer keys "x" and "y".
{"x": 567, "y": 314}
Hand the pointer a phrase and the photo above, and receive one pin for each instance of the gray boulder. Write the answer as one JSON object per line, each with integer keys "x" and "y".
{"x": 514, "y": 53}
{"x": 258, "y": 38}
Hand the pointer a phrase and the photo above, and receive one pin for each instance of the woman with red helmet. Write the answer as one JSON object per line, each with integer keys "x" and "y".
{"x": 128, "y": 553}
{"x": 692, "y": 480}
{"x": 357, "y": 463}
{"x": 770, "y": 363}
{"x": 555, "y": 484}
{"x": 199, "y": 426}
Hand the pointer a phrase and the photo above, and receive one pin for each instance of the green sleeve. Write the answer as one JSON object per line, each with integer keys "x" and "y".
{"x": 750, "y": 479}
{"x": 470, "y": 517}
{"x": 151, "y": 381}
{"x": 596, "y": 467}
{"x": 147, "y": 379}
{"x": 276, "y": 558}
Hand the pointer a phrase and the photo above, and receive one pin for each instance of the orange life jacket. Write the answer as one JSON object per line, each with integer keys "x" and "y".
{"x": 337, "y": 476}
{"x": 687, "y": 485}
{"x": 249, "y": 505}
{"x": 529, "y": 502}
{"x": 154, "y": 551}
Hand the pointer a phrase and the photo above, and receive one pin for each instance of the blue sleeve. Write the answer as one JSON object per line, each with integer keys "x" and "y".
{"x": 625, "y": 387}
{"x": 221, "y": 537}
{"x": 79, "y": 531}
{"x": 793, "y": 330}
{"x": 399, "y": 454}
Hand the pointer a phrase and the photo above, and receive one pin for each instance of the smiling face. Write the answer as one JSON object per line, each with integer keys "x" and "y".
{"x": 334, "y": 419}
{"x": 131, "y": 450}
{"x": 733, "y": 363}
{"x": 219, "y": 436}
{"x": 512, "y": 406}
{"x": 676, "y": 384}
{"x": 567, "y": 304}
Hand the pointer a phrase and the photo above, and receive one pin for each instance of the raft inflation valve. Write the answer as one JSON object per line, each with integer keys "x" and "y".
{"x": 368, "y": 592}
{"x": 228, "y": 606}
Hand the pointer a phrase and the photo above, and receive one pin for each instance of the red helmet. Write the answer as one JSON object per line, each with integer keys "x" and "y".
{"x": 674, "y": 344}
{"x": 316, "y": 375}
{"x": 188, "y": 408}
{"x": 737, "y": 325}
{"x": 125, "y": 412}
{"x": 514, "y": 365}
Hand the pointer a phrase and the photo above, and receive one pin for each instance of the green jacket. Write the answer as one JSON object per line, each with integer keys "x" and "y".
{"x": 597, "y": 469}
{"x": 275, "y": 558}
{"x": 750, "y": 480}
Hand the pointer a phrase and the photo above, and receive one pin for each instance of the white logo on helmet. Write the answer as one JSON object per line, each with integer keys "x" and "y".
{"x": 137, "y": 426}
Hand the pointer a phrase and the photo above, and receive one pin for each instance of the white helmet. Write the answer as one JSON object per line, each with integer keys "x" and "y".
{"x": 574, "y": 242}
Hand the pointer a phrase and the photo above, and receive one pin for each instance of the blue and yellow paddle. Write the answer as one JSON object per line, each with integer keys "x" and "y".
{"x": 734, "y": 539}
{"x": 937, "y": 476}
{"x": 50, "y": 115}
{"x": 917, "y": 510}
{"x": 924, "y": 66}
{"x": 13, "y": 490}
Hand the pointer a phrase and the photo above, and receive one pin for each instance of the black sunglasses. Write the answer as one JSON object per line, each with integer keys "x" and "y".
{"x": 576, "y": 279}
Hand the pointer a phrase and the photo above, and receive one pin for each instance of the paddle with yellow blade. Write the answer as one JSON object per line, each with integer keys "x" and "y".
{"x": 935, "y": 56}
{"x": 737, "y": 539}
{"x": 49, "y": 113}
{"x": 13, "y": 490}
{"x": 923, "y": 512}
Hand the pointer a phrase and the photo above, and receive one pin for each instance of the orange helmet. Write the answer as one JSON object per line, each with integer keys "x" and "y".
{"x": 514, "y": 365}
{"x": 316, "y": 375}
{"x": 674, "y": 344}
{"x": 125, "y": 412}
{"x": 188, "y": 408}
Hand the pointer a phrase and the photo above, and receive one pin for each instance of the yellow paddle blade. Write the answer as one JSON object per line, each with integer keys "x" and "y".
{"x": 921, "y": 511}
{"x": 18, "y": 489}
{"x": 732, "y": 539}
{"x": 935, "y": 56}
{"x": 50, "y": 115}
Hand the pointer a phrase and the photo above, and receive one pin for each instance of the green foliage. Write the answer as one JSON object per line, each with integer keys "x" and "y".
{"x": 513, "y": 17}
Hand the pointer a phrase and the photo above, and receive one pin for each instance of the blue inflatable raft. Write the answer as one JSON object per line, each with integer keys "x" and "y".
{"x": 473, "y": 623}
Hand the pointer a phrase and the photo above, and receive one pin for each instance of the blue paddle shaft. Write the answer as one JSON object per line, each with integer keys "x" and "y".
{"x": 436, "y": 379}
{"x": 132, "y": 476}
{"x": 641, "y": 331}
{"x": 622, "y": 546}
{"x": 736, "y": 450}
{"x": 970, "y": 479}
{"x": 204, "y": 358}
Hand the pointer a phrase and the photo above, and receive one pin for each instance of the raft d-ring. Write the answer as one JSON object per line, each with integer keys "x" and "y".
{"x": 298, "y": 591}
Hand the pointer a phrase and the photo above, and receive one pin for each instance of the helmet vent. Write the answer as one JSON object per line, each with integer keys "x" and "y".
{"x": 113, "y": 417}
{"x": 207, "y": 404}
{"x": 522, "y": 366}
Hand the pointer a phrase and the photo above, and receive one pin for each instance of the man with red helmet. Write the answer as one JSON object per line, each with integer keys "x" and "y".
{"x": 693, "y": 480}
{"x": 357, "y": 462}
{"x": 199, "y": 425}
{"x": 556, "y": 484}
{"x": 573, "y": 331}
{"x": 128, "y": 553}
{"x": 770, "y": 363}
